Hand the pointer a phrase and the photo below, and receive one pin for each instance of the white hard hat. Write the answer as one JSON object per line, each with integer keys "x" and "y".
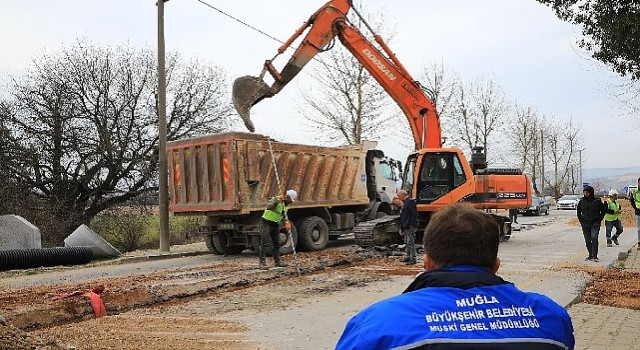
{"x": 292, "y": 194}
{"x": 612, "y": 192}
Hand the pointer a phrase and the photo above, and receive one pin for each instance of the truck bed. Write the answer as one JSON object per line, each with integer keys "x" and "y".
{"x": 233, "y": 173}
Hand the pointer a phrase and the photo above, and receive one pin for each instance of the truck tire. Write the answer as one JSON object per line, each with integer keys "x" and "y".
{"x": 208, "y": 240}
{"x": 313, "y": 234}
{"x": 220, "y": 243}
{"x": 285, "y": 248}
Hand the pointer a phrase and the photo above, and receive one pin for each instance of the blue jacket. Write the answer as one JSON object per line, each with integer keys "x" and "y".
{"x": 409, "y": 213}
{"x": 460, "y": 307}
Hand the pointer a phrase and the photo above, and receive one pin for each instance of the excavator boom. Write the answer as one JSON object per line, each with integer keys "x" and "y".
{"x": 328, "y": 22}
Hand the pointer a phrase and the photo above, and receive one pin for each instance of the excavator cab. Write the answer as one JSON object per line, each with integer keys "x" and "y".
{"x": 435, "y": 174}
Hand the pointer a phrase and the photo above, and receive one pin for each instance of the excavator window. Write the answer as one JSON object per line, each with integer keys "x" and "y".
{"x": 458, "y": 173}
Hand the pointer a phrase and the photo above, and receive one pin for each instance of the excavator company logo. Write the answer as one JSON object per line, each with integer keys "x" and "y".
{"x": 379, "y": 64}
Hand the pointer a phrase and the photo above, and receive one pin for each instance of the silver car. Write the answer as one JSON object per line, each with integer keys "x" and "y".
{"x": 569, "y": 201}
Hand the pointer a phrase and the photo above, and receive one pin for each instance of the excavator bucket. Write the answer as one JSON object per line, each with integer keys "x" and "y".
{"x": 247, "y": 91}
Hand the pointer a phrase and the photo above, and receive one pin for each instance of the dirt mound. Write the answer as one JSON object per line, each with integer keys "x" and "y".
{"x": 12, "y": 338}
{"x": 628, "y": 216}
{"x": 614, "y": 287}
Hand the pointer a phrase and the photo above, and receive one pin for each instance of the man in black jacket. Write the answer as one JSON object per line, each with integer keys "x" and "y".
{"x": 408, "y": 226}
{"x": 634, "y": 198}
{"x": 590, "y": 213}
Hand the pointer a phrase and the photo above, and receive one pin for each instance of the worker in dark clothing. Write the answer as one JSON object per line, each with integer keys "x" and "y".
{"x": 513, "y": 215}
{"x": 590, "y": 213}
{"x": 459, "y": 302}
{"x": 408, "y": 226}
{"x": 634, "y": 198}
{"x": 274, "y": 214}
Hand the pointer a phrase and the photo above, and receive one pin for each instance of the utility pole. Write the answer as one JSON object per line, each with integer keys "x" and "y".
{"x": 162, "y": 135}
{"x": 542, "y": 163}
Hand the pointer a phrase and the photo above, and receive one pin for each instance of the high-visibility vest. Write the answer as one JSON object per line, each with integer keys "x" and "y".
{"x": 613, "y": 206}
{"x": 276, "y": 214}
{"x": 636, "y": 197}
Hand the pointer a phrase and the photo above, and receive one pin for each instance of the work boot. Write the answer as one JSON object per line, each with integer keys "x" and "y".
{"x": 609, "y": 243}
{"x": 588, "y": 258}
{"x": 595, "y": 259}
{"x": 263, "y": 266}
{"x": 280, "y": 264}
{"x": 406, "y": 259}
{"x": 615, "y": 240}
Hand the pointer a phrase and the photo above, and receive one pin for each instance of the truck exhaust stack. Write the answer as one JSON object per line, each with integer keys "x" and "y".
{"x": 247, "y": 91}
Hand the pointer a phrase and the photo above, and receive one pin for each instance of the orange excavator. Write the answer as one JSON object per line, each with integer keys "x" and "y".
{"x": 434, "y": 176}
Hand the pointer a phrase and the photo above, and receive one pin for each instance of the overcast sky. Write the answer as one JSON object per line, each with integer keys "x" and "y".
{"x": 520, "y": 43}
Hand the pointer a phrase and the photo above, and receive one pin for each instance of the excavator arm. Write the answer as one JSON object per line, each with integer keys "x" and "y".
{"x": 322, "y": 28}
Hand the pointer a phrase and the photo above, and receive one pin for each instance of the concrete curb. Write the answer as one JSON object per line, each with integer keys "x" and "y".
{"x": 160, "y": 256}
{"x": 151, "y": 257}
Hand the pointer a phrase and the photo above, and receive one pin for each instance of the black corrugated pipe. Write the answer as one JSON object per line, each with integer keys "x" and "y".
{"x": 31, "y": 258}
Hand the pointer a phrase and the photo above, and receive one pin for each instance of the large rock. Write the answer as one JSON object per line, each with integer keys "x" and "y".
{"x": 83, "y": 236}
{"x": 18, "y": 233}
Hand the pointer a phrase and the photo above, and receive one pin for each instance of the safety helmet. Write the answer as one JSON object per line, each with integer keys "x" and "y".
{"x": 612, "y": 192}
{"x": 292, "y": 194}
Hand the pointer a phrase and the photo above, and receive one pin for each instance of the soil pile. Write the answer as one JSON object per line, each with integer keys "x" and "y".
{"x": 12, "y": 338}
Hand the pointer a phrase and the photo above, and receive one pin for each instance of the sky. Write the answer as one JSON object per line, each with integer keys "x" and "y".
{"x": 519, "y": 43}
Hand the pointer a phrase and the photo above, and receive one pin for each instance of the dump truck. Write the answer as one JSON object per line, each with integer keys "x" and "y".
{"x": 228, "y": 178}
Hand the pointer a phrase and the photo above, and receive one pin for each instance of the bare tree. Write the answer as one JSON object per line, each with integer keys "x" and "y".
{"x": 562, "y": 142}
{"x": 88, "y": 119}
{"x": 481, "y": 115}
{"x": 347, "y": 103}
{"x": 441, "y": 86}
{"x": 526, "y": 136}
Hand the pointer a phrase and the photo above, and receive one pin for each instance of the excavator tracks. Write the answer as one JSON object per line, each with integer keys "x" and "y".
{"x": 377, "y": 232}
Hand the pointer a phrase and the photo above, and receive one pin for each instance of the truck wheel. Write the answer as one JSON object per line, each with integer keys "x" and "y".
{"x": 314, "y": 234}
{"x": 285, "y": 243}
{"x": 220, "y": 243}
{"x": 208, "y": 240}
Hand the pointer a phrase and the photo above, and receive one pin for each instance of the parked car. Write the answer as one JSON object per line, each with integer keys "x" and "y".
{"x": 538, "y": 207}
{"x": 569, "y": 201}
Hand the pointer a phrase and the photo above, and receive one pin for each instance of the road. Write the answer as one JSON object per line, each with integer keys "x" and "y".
{"x": 216, "y": 302}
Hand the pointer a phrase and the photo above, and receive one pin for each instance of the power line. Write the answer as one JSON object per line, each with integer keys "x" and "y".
{"x": 317, "y": 59}
{"x": 240, "y": 21}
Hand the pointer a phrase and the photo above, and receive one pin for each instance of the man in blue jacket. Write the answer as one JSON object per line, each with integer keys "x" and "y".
{"x": 459, "y": 302}
{"x": 590, "y": 213}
